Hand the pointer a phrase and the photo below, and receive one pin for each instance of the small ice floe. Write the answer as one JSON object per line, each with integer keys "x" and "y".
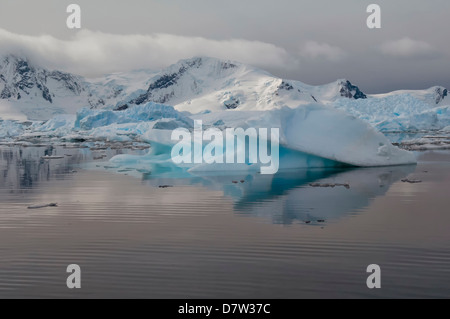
{"x": 125, "y": 170}
{"x": 143, "y": 171}
{"x": 428, "y": 142}
{"x": 329, "y": 185}
{"x": 411, "y": 181}
{"x": 51, "y": 157}
{"x": 43, "y": 206}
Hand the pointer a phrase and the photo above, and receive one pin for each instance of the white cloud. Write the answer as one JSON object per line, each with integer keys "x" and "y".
{"x": 94, "y": 53}
{"x": 407, "y": 47}
{"x": 316, "y": 50}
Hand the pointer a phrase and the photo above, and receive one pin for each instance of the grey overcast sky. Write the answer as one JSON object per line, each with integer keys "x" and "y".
{"x": 312, "y": 41}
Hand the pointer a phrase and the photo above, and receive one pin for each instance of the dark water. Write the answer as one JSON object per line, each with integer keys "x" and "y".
{"x": 207, "y": 237}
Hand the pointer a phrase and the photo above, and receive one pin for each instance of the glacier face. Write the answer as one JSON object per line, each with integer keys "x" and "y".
{"x": 10, "y": 129}
{"x": 399, "y": 112}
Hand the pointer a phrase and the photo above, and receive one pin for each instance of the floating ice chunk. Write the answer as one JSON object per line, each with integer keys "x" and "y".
{"x": 339, "y": 137}
{"x": 43, "y": 206}
{"x": 310, "y": 136}
{"x": 411, "y": 181}
{"x": 52, "y": 157}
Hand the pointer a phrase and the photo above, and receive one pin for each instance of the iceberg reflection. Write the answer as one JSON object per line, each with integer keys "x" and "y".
{"x": 284, "y": 198}
{"x": 287, "y": 197}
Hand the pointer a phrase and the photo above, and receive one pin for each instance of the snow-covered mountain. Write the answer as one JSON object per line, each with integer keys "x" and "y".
{"x": 206, "y": 84}
{"x": 37, "y": 93}
{"x": 193, "y": 85}
{"x": 201, "y": 84}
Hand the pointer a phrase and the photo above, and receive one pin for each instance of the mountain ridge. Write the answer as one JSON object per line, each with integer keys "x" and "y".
{"x": 194, "y": 85}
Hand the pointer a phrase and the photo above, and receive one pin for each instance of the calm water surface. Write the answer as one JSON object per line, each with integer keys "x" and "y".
{"x": 207, "y": 237}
